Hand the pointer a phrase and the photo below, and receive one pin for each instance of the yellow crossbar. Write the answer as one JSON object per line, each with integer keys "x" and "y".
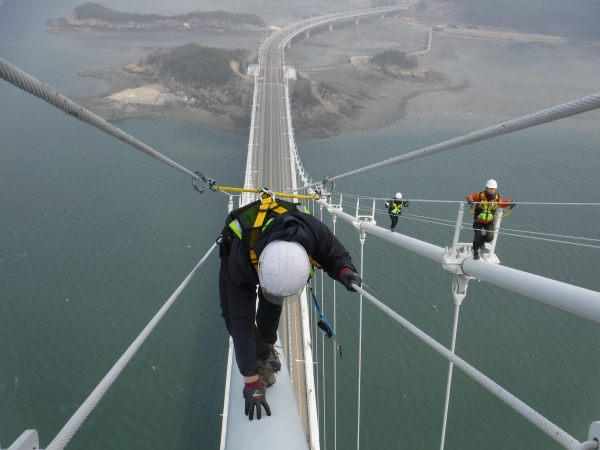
{"x": 258, "y": 191}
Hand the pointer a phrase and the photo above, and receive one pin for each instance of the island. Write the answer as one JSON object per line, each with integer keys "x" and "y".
{"x": 96, "y": 18}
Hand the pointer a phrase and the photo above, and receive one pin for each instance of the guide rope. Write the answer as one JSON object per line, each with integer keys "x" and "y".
{"x": 467, "y": 225}
{"x": 366, "y": 197}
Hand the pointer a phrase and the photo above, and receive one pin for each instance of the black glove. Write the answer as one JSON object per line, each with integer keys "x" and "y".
{"x": 471, "y": 206}
{"x": 255, "y": 397}
{"x": 513, "y": 204}
{"x": 348, "y": 278}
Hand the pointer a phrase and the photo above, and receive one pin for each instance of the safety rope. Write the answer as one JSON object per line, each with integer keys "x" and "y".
{"x": 71, "y": 427}
{"x": 35, "y": 87}
{"x": 545, "y": 234}
{"x": 556, "y": 433}
{"x": 568, "y": 109}
{"x": 549, "y": 240}
{"x": 468, "y": 225}
{"x": 345, "y": 194}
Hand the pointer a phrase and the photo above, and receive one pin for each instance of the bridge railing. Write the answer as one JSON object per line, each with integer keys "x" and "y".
{"x": 582, "y": 302}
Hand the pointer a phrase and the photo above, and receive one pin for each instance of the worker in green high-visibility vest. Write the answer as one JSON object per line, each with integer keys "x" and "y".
{"x": 394, "y": 207}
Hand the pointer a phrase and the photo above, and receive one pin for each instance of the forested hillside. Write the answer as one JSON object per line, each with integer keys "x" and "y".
{"x": 96, "y": 11}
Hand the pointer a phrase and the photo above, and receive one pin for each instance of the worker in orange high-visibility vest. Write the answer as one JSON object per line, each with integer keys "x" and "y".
{"x": 484, "y": 205}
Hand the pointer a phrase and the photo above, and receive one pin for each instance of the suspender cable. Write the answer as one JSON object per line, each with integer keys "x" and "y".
{"x": 556, "y": 433}
{"x": 71, "y": 427}
{"x": 360, "y": 323}
{"x": 334, "y": 360}
{"x": 449, "y": 383}
{"x": 29, "y": 84}
{"x": 316, "y": 338}
{"x": 568, "y": 109}
{"x": 323, "y": 355}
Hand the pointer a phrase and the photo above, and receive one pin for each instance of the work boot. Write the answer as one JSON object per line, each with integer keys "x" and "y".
{"x": 273, "y": 358}
{"x": 392, "y": 228}
{"x": 265, "y": 373}
{"x": 476, "y": 255}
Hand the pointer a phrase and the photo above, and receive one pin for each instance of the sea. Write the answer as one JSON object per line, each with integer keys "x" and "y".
{"x": 95, "y": 236}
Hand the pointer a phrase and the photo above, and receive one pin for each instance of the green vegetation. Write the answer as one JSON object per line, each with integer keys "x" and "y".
{"x": 325, "y": 88}
{"x": 196, "y": 64}
{"x": 400, "y": 59}
{"x": 575, "y": 18}
{"x": 302, "y": 96}
{"x": 97, "y": 11}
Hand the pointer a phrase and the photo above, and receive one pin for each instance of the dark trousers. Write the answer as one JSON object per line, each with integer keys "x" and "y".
{"x": 394, "y": 218}
{"x": 245, "y": 314}
{"x": 479, "y": 239}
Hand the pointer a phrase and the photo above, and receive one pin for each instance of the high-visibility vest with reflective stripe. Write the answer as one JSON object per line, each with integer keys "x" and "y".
{"x": 487, "y": 208}
{"x": 396, "y": 207}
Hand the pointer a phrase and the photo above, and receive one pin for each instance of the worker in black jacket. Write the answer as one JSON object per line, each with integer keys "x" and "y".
{"x": 270, "y": 244}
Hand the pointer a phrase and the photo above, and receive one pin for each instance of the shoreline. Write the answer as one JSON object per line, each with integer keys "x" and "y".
{"x": 383, "y": 100}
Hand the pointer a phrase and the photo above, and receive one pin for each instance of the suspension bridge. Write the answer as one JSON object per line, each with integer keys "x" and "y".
{"x": 273, "y": 161}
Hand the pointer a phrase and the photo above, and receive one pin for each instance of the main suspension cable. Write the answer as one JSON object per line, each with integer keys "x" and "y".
{"x": 568, "y": 109}
{"x": 20, "y": 79}
{"x": 71, "y": 427}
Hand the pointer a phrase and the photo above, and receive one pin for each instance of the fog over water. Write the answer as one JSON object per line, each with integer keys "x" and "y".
{"x": 95, "y": 236}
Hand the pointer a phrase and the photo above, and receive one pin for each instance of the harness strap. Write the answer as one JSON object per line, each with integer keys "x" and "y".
{"x": 268, "y": 204}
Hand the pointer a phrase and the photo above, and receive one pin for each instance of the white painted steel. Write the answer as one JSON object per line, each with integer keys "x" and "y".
{"x": 313, "y": 419}
{"x": 226, "y": 395}
{"x": 579, "y": 301}
{"x": 27, "y": 441}
{"x": 573, "y": 299}
{"x": 248, "y": 197}
{"x": 283, "y": 429}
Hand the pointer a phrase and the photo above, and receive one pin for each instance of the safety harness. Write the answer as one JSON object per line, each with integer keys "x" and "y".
{"x": 249, "y": 223}
{"x": 485, "y": 209}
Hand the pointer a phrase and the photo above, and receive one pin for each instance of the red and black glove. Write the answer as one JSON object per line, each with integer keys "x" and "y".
{"x": 254, "y": 394}
{"x": 348, "y": 277}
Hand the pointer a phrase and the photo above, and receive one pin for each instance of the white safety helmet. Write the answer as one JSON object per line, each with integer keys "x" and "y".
{"x": 491, "y": 184}
{"x": 398, "y": 196}
{"x": 283, "y": 270}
